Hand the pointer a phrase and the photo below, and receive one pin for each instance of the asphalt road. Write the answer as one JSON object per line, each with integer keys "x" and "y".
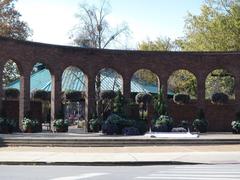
{"x": 171, "y": 172}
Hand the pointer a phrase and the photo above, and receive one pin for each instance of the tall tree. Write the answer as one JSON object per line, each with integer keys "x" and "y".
{"x": 217, "y": 28}
{"x": 94, "y": 31}
{"x": 11, "y": 26}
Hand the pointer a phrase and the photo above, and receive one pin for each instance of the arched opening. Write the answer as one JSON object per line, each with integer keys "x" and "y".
{"x": 10, "y": 75}
{"x": 11, "y": 92}
{"x": 220, "y": 81}
{"x": 144, "y": 85}
{"x": 144, "y": 80}
{"x": 182, "y": 83}
{"x": 74, "y": 91}
{"x": 40, "y": 94}
{"x": 108, "y": 82}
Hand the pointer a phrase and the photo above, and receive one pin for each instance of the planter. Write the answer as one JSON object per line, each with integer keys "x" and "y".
{"x": 61, "y": 129}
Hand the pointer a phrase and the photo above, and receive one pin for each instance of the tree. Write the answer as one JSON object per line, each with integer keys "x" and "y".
{"x": 160, "y": 44}
{"x": 217, "y": 28}
{"x": 11, "y": 26}
{"x": 94, "y": 31}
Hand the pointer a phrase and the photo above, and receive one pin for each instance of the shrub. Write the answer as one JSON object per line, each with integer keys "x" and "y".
{"x": 236, "y": 127}
{"x": 159, "y": 104}
{"x": 219, "y": 98}
{"x": 141, "y": 125}
{"x": 130, "y": 131}
{"x": 163, "y": 124}
{"x": 107, "y": 94}
{"x": 179, "y": 129}
{"x": 236, "y": 124}
{"x": 114, "y": 124}
{"x": 143, "y": 98}
{"x": 74, "y": 96}
{"x": 30, "y": 125}
{"x": 95, "y": 124}
{"x": 61, "y": 125}
{"x": 118, "y": 104}
{"x": 200, "y": 125}
{"x": 12, "y": 93}
{"x": 181, "y": 99}
{"x": 184, "y": 124}
{"x": 42, "y": 95}
{"x": 8, "y": 125}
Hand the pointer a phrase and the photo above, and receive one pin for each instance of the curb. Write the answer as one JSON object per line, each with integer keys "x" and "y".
{"x": 130, "y": 163}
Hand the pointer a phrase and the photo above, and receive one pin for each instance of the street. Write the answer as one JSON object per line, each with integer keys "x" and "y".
{"x": 172, "y": 172}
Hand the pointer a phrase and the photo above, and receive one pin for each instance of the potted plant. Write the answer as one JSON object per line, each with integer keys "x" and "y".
{"x": 30, "y": 125}
{"x": 200, "y": 124}
{"x": 61, "y": 125}
{"x": 236, "y": 124}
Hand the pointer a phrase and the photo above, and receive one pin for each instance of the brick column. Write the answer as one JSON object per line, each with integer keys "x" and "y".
{"x": 237, "y": 91}
{"x": 1, "y": 89}
{"x": 90, "y": 106}
{"x": 56, "y": 100}
{"x": 164, "y": 86}
{"x": 24, "y": 99}
{"x": 201, "y": 92}
{"x": 126, "y": 87}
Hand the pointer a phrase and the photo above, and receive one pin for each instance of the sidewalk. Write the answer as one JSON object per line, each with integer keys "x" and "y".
{"x": 151, "y": 155}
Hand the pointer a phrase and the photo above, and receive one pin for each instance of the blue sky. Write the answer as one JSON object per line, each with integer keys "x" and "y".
{"x": 52, "y": 20}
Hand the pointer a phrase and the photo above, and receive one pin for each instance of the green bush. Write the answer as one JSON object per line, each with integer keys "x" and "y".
{"x": 12, "y": 93}
{"x": 236, "y": 124}
{"x": 8, "y": 125}
{"x": 219, "y": 98}
{"x": 181, "y": 98}
{"x": 95, "y": 124}
{"x": 200, "y": 125}
{"x": 141, "y": 125}
{"x": 74, "y": 96}
{"x": 30, "y": 125}
{"x": 143, "y": 98}
{"x": 114, "y": 124}
{"x": 61, "y": 125}
{"x": 236, "y": 127}
{"x": 163, "y": 124}
{"x": 42, "y": 95}
{"x": 107, "y": 94}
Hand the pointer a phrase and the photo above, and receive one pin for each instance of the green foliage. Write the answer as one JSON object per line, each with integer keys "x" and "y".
{"x": 184, "y": 82}
{"x": 30, "y": 125}
{"x": 160, "y": 44}
{"x": 41, "y": 94}
{"x": 160, "y": 106}
{"x": 181, "y": 98}
{"x": 61, "y": 125}
{"x": 215, "y": 29}
{"x": 163, "y": 124}
{"x": 114, "y": 124}
{"x": 236, "y": 127}
{"x": 8, "y": 125}
{"x": 95, "y": 124}
{"x": 236, "y": 124}
{"x": 219, "y": 98}
{"x": 200, "y": 125}
{"x": 147, "y": 76}
{"x": 119, "y": 104}
{"x": 218, "y": 81}
{"x": 74, "y": 96}
{"x": 12, "y": 93}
